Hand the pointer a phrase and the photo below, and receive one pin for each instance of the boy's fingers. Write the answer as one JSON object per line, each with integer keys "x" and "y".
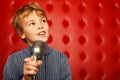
{"x": 39, "y": 62}
{"x": 27, "y": 60}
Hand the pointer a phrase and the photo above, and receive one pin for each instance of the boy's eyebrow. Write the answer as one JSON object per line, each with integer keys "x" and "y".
{"x": 30, "y": 21}
{"x": 34, "y": 20}
{"x": 42, "y": 17}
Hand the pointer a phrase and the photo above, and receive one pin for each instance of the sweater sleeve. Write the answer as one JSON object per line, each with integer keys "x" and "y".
{"x": 11, "y": 71}
{"x": 65, "y": 70}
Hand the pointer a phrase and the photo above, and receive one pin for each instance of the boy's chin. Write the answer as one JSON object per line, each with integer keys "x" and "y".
{"x": 44, "y": 40}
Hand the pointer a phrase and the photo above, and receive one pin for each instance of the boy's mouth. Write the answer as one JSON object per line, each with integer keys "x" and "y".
{"x": 42, "y": 33}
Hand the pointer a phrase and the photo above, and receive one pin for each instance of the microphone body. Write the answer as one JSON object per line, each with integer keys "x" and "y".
{"x": 37, "y": 51}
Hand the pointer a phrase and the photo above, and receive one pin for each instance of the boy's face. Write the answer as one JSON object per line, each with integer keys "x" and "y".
{"x": 35, "y": 28}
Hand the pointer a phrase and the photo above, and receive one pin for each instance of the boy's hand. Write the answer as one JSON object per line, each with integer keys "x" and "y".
{"x": 30, "y": 68}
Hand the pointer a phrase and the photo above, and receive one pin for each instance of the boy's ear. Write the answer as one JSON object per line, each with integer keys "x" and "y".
{"x": 23, "y": 36}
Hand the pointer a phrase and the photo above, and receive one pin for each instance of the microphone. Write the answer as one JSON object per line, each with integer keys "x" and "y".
{"x": 37, "y": 51}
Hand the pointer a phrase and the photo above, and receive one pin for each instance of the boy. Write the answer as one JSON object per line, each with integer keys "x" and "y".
{"x": 30, "y": 23}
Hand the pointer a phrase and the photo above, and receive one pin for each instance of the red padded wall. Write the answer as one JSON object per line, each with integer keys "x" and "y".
{"x": 88, "y": 31}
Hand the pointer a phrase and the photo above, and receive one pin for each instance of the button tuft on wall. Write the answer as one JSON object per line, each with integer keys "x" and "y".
{"x": 98, "y": 7}
{"x": 49, "y": 6}
{"x": 67, "y": 53}
{"x": 115, "y": 6}
{"x": 82, "y": 56}
{"x": 50, "y": 23}
{"x": 50, "y": 40}
{"x": 99, "y": 23}
{"x": 82, "y": 40}
{"x": 82, "y": 23}
{"x": 115, "y": 22}
{"x": 83, "y": 73}
{"x": 66, "y": 39}
{"x": 100, "y": 74}
{"x": 99, "y": 40}
{"x": 65, "y": 23}
{"x": 116, "y": 40}
{"x": 14, "y": 38}
{"x": 100, "y": 56}
{"x": 116, "y": 56}
{"x": 66, "y": 6}
{"x": 82, "y": 7}
{"x": 12, "y": 2}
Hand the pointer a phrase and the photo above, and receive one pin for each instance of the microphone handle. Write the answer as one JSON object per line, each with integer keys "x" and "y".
{"x": 35, "y": 60}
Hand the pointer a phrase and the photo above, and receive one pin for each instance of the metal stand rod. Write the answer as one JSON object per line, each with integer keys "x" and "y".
{"x": 33, "y": 77}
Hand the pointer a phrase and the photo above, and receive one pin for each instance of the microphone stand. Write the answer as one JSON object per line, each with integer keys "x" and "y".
{"x": 37, "y": 51}
{"x": 34, "y": 77}
{"x": 35, "y": 60}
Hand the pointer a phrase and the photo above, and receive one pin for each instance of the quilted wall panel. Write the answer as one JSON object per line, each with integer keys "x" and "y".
{"x": 87, "y": 31}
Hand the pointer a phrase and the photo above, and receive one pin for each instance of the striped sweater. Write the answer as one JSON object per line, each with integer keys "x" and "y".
{"x": 55, "y": 65}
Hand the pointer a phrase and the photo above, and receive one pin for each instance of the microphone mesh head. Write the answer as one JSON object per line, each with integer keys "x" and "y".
{"x": 37, "y": 50}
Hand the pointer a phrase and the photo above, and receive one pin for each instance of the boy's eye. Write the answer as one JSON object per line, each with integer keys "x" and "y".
{"x": 43, "y": 20}
{"x": 32, "y": 23}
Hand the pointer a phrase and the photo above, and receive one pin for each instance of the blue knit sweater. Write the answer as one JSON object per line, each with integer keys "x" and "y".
{"x": 55, "y": 65}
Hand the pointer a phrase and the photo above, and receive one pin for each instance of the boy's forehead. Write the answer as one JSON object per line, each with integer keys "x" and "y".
{"x": 32, "y": 16}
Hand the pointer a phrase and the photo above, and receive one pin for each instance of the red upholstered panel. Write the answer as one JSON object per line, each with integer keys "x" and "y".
{"x": 88, "y": 31}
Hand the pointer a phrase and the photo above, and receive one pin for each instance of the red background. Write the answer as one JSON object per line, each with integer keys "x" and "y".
{"x": 87, "y": 31}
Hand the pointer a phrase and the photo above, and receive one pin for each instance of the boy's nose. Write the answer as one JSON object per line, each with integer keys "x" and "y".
{"x": 40, "y": 27}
